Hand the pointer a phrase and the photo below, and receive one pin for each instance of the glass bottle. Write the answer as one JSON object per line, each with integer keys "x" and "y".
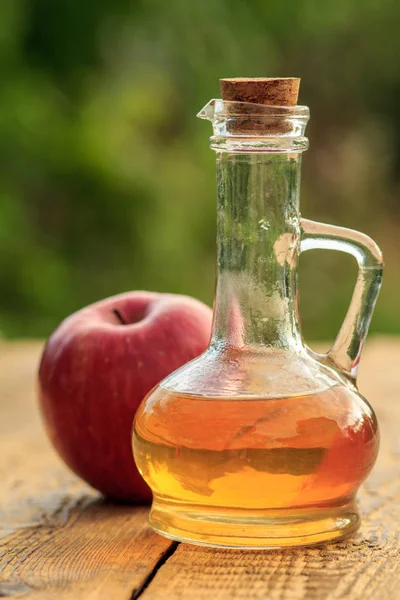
{"x": 261, "y": 442}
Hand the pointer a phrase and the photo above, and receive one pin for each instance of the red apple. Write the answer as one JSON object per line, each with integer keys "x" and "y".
{"x": 96, "y": 369}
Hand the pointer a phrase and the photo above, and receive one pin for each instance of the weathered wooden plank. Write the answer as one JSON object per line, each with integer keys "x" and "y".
{"x": 364, "y": 567}
{"x": 58, "y": 538}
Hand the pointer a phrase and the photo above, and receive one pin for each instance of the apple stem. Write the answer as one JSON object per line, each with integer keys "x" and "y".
{"x": 119, "y": 316}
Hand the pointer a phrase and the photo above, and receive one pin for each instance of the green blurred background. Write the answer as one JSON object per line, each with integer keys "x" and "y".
{"x": 107, "y": 182}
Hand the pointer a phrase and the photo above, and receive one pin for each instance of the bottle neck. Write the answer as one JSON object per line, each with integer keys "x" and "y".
{"x": 258, "y": 238}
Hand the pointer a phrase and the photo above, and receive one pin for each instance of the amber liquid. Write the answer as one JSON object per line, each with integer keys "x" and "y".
{"x": 256, "y": 453}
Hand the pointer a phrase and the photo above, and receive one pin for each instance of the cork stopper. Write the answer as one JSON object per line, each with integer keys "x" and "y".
{"x": 268, "y": 91}
{"x": 278, "y": 91}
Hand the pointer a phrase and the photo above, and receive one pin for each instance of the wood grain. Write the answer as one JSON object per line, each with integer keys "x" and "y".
{"x": 367, "y": 566}
{"x": 58, "y": 538}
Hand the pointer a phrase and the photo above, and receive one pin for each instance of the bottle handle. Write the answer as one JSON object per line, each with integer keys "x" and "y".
{"x": 346, "y": 350}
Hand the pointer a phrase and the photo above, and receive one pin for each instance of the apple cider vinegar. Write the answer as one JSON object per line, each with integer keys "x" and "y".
{"x": 260, "y": 442}
{"x": 203, "y": 455}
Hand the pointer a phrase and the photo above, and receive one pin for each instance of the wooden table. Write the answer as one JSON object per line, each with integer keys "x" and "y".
{"x": 60, "y": 540}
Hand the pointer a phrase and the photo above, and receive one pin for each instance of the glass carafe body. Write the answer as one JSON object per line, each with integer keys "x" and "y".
{"x": 261, "y": 442}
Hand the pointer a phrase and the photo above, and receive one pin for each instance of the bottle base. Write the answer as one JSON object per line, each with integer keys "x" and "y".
{"x": 253, "y": 529}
